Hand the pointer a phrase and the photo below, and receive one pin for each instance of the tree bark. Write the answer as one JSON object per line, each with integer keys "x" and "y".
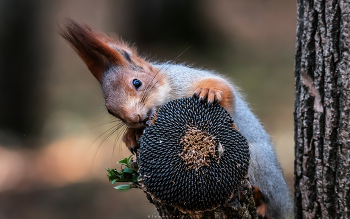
{"x": 322, "y": 108}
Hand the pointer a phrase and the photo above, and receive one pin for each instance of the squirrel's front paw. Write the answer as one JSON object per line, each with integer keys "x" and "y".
{"x": 214, "y": 90}
{"x": 131, "y": 138}
{"x": 208, "y": 94}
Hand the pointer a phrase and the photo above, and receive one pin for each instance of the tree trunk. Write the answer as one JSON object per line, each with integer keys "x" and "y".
{"x": 322, "y": 107}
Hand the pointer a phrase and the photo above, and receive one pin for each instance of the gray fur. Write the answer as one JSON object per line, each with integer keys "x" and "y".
{"x": 264, "y": 170}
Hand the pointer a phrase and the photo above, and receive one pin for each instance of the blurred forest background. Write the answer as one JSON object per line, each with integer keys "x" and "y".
{"x": 52, "y": 158}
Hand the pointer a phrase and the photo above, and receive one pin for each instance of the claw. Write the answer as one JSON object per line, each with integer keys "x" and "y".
{"x": 214, "y": 91}
{"x": 133, "y": 150}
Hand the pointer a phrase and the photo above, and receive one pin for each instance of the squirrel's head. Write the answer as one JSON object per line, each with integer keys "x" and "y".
{"x": 132, "y": 88}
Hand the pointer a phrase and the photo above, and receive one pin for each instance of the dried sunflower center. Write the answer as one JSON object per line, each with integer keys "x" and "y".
{"x": 199, "y": 148}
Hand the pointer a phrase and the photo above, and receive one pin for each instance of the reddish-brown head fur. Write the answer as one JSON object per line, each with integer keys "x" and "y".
{"x": 92, "y": 47}
{"x": 115, "y": 65}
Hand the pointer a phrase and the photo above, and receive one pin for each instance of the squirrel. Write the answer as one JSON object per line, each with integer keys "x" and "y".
{"x": 134, "y": 89}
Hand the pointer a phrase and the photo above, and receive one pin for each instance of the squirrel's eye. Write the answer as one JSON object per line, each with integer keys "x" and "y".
{"x": 137, "y": 83}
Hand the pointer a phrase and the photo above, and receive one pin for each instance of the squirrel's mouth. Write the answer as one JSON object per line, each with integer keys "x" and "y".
{"x": 149, "y": 115}
{"x": 145, "y": 122}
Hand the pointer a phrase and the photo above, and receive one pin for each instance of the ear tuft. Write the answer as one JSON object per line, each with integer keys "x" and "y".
{"x": 92, "y": 47}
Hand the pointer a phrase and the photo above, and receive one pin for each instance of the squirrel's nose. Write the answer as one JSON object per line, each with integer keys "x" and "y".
{"x": 134, "y": 118}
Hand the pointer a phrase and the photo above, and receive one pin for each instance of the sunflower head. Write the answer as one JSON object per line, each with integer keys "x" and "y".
{"x": 192, "y": 157}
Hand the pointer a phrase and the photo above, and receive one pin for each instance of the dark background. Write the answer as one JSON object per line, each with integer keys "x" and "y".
{"x": 52, "y": 158}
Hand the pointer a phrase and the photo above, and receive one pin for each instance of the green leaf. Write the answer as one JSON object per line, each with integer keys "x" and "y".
{"x": 128, "y": 173}
{"x": 124, "y": 161}
{"x": 127, "y": 170}
{"x": 135, "y": 177}
{"x": 123, "y": 188}
{"x": 112, "y": 174}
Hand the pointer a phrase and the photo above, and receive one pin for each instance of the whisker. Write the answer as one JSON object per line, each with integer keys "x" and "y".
{"x": 123, "y": 133}
{"x": 115, "y": 142}
{"x": 146, "y": 98}
{"x": 105, "y": 123}
{"x": 146, "y": 89}
{"x": 160, "y": 69}
{"x": 146, "y": 94}
{"x": 149, "y": 85}
{"x": 183, "y": 52}
{"x": 105, "y": 138}
{"x": 104, "y": 114}
{"x": 103, "y": 133}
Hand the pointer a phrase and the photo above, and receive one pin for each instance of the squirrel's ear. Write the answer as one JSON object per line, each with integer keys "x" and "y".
{"x": 92, "y": 47}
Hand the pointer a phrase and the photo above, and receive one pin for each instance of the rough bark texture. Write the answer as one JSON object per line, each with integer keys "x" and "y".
{"x": 322, "y": 107}
{"x": 242, "y": 206}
